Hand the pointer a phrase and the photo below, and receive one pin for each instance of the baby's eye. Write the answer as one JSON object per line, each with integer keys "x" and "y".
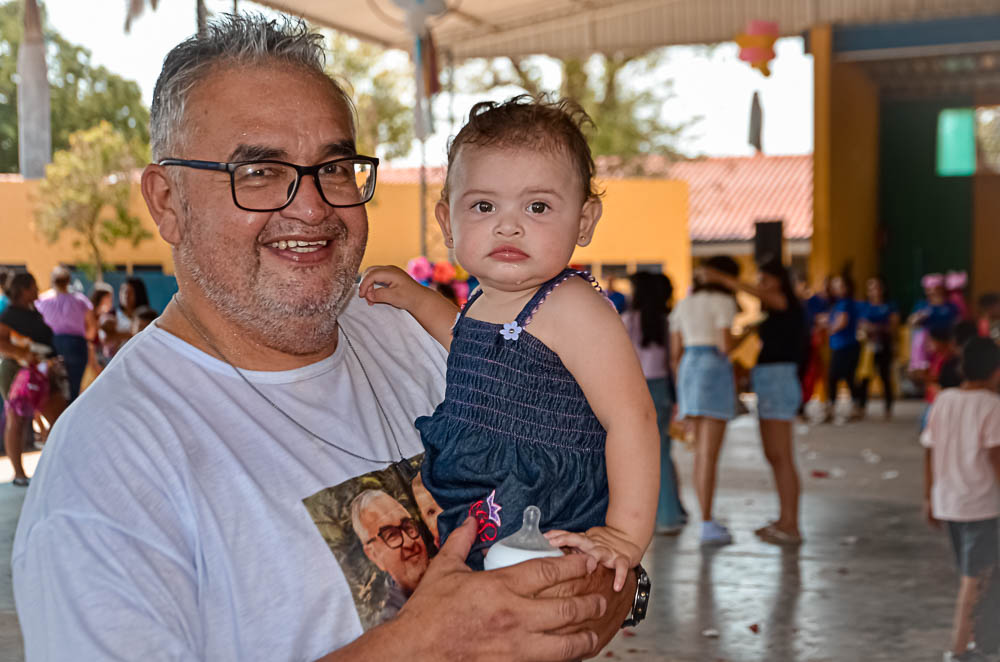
{"x": 538, "y": 207}
{"x": 483, "y": 207}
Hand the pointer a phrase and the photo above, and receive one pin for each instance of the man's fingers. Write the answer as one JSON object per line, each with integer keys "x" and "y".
{"x": 548, "y": 647}
{"x": 459, "y": 543}
{"x": 530, "y": 577}
{"x": 548, "y": 614}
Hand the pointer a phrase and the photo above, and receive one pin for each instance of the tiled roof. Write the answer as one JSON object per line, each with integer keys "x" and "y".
{"x": 727, "y": 195}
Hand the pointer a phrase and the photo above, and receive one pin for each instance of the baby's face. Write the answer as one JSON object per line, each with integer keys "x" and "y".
{"x": 516, "y": 214}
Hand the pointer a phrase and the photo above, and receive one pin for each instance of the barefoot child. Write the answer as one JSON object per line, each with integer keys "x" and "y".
{"x": 546, "y": 403}
{"x": 962, "y": 489}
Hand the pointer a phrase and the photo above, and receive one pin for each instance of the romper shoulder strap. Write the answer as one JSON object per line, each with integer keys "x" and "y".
{"x": 524, "y": 318}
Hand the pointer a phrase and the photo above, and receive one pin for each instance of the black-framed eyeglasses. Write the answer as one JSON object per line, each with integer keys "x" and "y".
{"x": 392, "y": 535}
{"x": 269, "y": 185}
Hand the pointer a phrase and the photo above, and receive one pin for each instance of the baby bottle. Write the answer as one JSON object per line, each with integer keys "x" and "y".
{"x": 528, "y": 543}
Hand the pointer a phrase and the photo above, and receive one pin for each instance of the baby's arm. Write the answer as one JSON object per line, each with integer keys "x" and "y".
{"x": 435, "y": 313}
{"x": 578, "y": 324}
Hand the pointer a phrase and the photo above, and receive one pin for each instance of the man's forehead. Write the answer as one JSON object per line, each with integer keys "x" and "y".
{"x": 269, "y": 108}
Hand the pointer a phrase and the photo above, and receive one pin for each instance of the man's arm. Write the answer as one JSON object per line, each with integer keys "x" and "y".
{"x": 994, "y": 454}
{"x": 532, "y": 610}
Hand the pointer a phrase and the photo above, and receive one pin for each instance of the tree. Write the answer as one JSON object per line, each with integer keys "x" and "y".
{"x": 86, "y": 191}
{"x": 382, "y": 92}
{"x": 82, "y": 94}
{"x": 136, "y": 8}
{"x": 628, "y": 118}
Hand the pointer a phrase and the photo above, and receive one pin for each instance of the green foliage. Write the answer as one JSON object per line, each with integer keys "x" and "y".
{"x": 83, "y": 94}
{"x": 86, "y": 192}
{"x": 628, "y": 117}
{"x": 382, "y": 92}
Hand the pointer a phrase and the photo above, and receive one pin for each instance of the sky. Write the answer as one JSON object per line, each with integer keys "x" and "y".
{"x": 713, "y": 85}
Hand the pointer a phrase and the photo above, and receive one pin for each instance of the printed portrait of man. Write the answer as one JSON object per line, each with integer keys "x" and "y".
{"x": 429, "y": 509}
{"x": 391, "y": 540}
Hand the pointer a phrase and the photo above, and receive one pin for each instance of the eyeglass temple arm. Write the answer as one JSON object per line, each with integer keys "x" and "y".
{"x": 201, "y": 165}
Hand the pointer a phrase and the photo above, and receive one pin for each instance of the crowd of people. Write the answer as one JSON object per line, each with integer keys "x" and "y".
{"x": 52, "y": 344}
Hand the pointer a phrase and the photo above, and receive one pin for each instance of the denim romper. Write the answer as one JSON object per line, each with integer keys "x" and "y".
{"x": 514, "y": 430}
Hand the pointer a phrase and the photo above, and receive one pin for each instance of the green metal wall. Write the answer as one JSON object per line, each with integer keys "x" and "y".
{"x": 926, "y": 220}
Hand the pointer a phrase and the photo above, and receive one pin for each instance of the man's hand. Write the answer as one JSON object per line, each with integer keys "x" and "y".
{"x": 530, "y": 611}
{"x": 619, "y": 603}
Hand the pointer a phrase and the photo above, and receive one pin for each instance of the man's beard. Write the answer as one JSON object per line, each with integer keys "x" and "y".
{"x": 275, "y": 314}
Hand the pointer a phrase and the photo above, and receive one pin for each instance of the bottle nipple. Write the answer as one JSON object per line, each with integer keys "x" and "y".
{"x": 527, "y": 543}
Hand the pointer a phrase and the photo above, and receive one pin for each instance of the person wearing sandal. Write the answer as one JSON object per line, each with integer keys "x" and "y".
{"x": 775, "y": 381}
{"x": 25, "y": 343}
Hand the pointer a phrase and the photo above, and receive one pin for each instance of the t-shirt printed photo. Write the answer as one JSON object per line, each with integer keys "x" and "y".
{"x": 382, "y": 529}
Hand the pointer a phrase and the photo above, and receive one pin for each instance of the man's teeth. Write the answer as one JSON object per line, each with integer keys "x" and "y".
{"x": 298, "y": 246}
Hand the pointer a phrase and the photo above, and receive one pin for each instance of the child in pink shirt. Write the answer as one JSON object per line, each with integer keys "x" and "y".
{"x": 962, "y": 490}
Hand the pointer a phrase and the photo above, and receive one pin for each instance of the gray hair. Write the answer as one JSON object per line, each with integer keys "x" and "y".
{"x": 358, "y": 505}
{"x": 233, "y": 40}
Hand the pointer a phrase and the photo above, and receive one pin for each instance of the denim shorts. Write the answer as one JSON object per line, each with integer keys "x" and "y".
{"x": 975, "y": 545}
{"x": 778, "y": 390}
{"x": 705, "y": 385}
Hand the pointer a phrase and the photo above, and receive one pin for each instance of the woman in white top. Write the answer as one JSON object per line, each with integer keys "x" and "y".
{"x": 646, "y": 323}
{"x": 700, "y": 340}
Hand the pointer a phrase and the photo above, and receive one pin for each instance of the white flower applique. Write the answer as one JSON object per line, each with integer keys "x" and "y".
{"x": 511, "y": 330}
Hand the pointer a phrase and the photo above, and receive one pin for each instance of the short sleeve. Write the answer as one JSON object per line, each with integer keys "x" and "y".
{"x": 725, "y": 312}
{"x": 673, "y": 320}
{"x": 86, "y": 589}
{"x": 991, "y": 425}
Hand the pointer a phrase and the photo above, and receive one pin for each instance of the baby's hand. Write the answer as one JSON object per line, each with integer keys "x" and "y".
{"x": 607, "y": 546}
{"x": 397, "y": 288}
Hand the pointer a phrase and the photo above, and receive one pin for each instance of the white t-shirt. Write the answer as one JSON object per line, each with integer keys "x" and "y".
{"x": 701, "y": 316}
{"x": 166, "y": 519}
{"x": 961, "y": 427}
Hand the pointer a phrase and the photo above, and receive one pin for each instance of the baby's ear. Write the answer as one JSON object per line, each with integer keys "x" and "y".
{"x": 442, "y": 212}
{"x": 589, "y": 216}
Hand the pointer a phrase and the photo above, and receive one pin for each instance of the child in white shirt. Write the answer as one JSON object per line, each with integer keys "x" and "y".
{"x": 962, "y": 490}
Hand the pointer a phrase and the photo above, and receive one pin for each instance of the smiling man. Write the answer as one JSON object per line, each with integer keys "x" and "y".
{"x": 166, "y": 520}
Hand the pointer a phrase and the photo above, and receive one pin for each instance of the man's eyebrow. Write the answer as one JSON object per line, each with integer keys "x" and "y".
{"x": 340, "y": 148}
{"x": 245, "y": 152}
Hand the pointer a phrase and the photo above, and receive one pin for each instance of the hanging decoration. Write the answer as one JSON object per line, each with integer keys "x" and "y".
{"x": 757, "y": 44}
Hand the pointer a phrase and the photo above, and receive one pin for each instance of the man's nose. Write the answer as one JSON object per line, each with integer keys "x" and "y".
{"x": 308, "y": 204}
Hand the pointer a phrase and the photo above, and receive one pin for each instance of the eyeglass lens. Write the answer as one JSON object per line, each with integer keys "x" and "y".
{"x": 392, "y": 536}
{"x": 264, "y": 186}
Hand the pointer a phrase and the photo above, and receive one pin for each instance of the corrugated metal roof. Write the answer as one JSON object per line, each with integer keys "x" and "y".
{"x": 488, "y": 28}
{"x": 727, "y": 195}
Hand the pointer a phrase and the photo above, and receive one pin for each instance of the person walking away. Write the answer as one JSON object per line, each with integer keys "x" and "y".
{"x": 132, "y": 296}
{"x": 700, "y": 340}
{"x": 69, "y": 316}
{"x": 29, "y": 373}
{"x": 845, "y": 350}
{"x": 879, "y": 324}
{"x": 962, "y": 491}
{"x": 775, "y": 381}
{"x": 648, "y": 329}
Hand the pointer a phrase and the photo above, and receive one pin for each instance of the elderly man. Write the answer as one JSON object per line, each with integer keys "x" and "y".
{"x": 392, "y": 541}
{"x": 167, "y": 520}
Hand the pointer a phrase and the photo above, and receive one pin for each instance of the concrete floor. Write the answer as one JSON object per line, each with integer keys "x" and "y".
{"x": 872, "y": 582}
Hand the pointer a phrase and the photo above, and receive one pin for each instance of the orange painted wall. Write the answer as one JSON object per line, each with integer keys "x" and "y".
{"x": 644, "y": 221}
{"x": 845, "y": 172}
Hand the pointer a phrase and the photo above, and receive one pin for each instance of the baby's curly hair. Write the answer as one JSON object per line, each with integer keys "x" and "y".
{"x": 529, "y": 121}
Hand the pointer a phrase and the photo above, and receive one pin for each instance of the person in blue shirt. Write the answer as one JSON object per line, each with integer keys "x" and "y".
{"x": 933, "y": 313}
{"x": 845, "y": 350}
{"x": 5, "y": 275}
{"x": 879, "y": 323}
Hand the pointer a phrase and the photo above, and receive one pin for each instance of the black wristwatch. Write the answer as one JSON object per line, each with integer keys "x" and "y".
{"x": 641, "y": 603}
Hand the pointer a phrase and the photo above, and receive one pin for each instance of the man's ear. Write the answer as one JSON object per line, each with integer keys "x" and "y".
{"x": 161, "y": 199}
{"x": 589, "y": 215}
{"x": 442, "y": 212}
